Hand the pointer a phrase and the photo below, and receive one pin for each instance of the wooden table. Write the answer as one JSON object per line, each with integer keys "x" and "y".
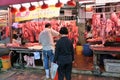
{"x": 102, "y": 50}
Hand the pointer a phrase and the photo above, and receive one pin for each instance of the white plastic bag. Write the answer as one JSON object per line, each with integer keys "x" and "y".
{"x": 53, "y": 71}
{"x": 36, "y": 55}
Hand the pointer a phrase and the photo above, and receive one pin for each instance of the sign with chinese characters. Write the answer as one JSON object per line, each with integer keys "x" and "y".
{"x": 37, "y": 13}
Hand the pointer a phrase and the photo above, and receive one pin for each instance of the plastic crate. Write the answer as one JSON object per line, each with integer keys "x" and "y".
{"x": 112, "y": 65}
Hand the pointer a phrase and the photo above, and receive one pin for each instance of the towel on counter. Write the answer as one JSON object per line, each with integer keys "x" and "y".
{"x": 36, "y": 55}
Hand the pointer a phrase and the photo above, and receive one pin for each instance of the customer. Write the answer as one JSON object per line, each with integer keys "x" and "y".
{"x": 14, "y": 39}
{"x": 46, "y": 39}
{"x": 64, "y": 55}
{"x": 88, "y": 32}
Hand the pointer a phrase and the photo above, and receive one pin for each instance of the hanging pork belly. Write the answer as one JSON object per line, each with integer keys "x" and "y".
{"x": 114, "y": 17}
{"x": 96, "y": 20}
{"x": 108, "y": 26}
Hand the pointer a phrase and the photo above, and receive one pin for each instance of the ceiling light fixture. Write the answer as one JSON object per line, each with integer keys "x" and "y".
{"x": 22, "y": 8}
{"x": 71, "y": 3}
{"x": 59, "y": 4}
{"x": 44, "y": 5}
{"x": 32, "y": 7}
{"x": 13, "y": 10}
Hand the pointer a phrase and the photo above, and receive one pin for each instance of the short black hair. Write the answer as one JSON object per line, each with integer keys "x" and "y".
{"x": 88, "y": 28}
{"x": 63, "y": 30}
{"x": 47, "y": 25}
{"x": 15, "y": 36}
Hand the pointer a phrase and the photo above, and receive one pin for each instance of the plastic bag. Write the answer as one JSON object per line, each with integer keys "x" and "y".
{"x": 56, "y": 76}
{"x": 36, "y": 55}
{"x": 54, "y": 68}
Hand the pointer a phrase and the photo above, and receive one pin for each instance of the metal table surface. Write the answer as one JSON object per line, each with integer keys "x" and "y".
{"x": 102, "y": 50}
{"x": 22, "y": 49}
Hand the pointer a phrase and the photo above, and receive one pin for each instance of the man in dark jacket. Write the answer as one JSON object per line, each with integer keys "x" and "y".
{"x": 64, "y": 55}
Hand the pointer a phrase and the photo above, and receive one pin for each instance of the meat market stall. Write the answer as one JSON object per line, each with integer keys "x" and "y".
{"x": 31, "y": 23}
{"x": 26, "y": 55}
{"x": 105, "y": 31}
{"x": 27, "y": 26}
{"x": 111, "y": 68}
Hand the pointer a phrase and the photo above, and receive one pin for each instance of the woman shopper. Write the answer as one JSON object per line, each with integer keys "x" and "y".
{"x": 64, "y": 55}
{"x": 46, "y": 39}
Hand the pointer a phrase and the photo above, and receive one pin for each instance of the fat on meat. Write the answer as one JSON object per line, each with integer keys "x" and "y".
{"x": 108, "y": 26}
{"x": 118, "y": 22}
{"x": 114, "y": 17}
{"x": 103, "y": 25}
{"x": 96, "y": 20}
{"x": 31, "y": 30}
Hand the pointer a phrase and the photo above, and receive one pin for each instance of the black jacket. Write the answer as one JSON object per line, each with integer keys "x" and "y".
{"x": 64, "y": 51}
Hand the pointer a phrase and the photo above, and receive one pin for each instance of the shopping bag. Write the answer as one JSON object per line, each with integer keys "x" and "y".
{"x": 53, "y": 70}
{"x": 56, "y": 76}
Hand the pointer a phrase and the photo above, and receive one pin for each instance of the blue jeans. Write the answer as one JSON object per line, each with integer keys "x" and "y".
{"x": 48, "y": 56}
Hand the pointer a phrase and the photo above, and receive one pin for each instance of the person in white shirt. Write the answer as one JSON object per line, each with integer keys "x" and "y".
{"x": 46, "y": 39}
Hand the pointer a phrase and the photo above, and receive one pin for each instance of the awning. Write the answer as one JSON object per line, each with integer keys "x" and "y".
{"x": 10, "y": 2}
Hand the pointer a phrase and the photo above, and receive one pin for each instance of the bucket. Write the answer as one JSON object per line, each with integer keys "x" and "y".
{"x": 79, "y": 50}
{"x": 6, "y": 63}
{"x": 86, "y": 50}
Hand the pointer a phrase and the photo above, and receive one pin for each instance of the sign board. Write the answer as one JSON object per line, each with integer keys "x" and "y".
{"x": 82, "y": 14}
{"x": 68, "y": 12}
{"x": 106, "y": 1}
{"x": 86, "y": 1}
{"x": 112, "y": 1}
{"x": 37, "y": 13}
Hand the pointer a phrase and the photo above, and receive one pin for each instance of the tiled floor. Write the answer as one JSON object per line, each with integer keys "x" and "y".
{"x": 81, "y": 63}
{"x": 39, "y": 75}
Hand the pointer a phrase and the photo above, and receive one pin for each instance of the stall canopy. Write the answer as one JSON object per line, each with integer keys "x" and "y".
{"x": 10, "y": 2}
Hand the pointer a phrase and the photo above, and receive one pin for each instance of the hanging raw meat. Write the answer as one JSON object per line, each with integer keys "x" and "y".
{"x": 7, "y": 29}
{"x": 96, "y": 20}
{"x": 114, "y": 17}
{"x": 118, "y": 23}
{"x": 108, "y": 26}
{"x": 103, "y": 25}
{"x": 31, "y": 30}
{"x": 96, "y": 25}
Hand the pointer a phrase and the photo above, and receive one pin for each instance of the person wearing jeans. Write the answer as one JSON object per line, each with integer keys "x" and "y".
{"x": 46, "y": 39}
{"x": 47, "y": 55}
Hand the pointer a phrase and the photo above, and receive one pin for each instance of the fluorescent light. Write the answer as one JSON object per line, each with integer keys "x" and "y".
{"x": 88, "y": 1}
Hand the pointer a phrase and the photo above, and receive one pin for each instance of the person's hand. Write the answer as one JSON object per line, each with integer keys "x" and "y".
{"x": 59, "y": 36}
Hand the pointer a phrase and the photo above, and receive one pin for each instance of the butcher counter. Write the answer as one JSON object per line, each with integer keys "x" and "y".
{"x": 28, "y": 49}
{"x": 97, "y": 51}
